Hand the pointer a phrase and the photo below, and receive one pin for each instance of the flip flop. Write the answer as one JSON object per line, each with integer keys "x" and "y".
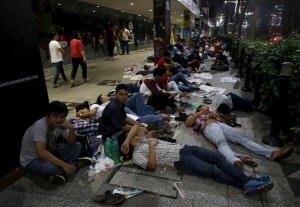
{"x": 109, "y": 198}
{"x": 284, "y": 155}
{"x": 188, "y": 97}
{"x": 207, "y": 101}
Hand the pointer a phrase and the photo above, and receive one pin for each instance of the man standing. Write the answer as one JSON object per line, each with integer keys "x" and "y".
{"x": 56, "y": 57}
{"x": 78, "y": 57}
{"x": 124, "y": 35}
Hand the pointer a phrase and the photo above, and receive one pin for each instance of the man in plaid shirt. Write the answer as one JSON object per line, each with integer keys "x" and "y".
{"x": 149, "y": 153}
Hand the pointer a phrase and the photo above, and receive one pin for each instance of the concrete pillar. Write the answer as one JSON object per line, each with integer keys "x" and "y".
{"x": 187, "y": 26}
{"x": 162, "y": 26}
{"x": 23, "y": 89}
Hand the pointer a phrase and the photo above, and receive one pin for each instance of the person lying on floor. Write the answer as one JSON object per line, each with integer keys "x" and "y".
{"x": 211, "y": 125}
{"x": 96, "y": 110}
{"x": 147, "y": 114}
{"x": 149, "y": 153}
{"x": 233, "y": 102}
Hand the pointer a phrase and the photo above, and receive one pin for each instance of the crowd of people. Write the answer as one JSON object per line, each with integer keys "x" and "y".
{"x": 127, "y": 116}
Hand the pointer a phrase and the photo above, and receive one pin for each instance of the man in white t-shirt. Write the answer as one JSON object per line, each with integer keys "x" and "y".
{"x": 56, "y": 57}
{"x": 124, "y": 35}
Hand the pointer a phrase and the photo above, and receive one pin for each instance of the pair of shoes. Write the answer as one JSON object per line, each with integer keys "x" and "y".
{"x": 182, "y": 117}
{"x": 66, "y": 81}
{"x": 55, "y": 85}
{"x": 186, "y": 105}
{"x": 284, "y": 154}
{"x": 72, "y": 85}
{"x": 109, "y": 198}
{"x": 256, "y": 186}
{"x": 57, "y": 179}
{"x": 82, "y": 162}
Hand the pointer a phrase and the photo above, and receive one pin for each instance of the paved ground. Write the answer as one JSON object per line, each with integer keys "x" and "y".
{"x": 158, "y": 187}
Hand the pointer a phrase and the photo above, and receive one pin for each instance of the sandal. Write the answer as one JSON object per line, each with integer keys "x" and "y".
{"x": 109, "y": 198}
{"x": 167, "y": 139}
{"x": 188, "y": 97}
{"x": 249, "y": 162}
{"x": 207, "y": 101}
{"x": 285, "y": 154}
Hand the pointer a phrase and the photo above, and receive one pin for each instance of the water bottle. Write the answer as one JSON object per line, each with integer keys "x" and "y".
{"x": 115, "y": 151}
{"x": 108, "y": 148}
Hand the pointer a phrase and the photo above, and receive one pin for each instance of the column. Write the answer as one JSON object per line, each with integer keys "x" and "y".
{"x": 162, "y": 26}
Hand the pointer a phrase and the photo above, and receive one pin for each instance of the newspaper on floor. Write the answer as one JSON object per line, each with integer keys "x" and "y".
{"x": 137, "y": 77}
{"x": 229, "y": 80}
{"x": 127, "y": 192}
{"x": 208, "y": 91}
{"x": 203, "y": 76}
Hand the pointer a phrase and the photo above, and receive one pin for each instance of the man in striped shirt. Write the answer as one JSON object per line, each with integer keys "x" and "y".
{"x": 149, "y": 153}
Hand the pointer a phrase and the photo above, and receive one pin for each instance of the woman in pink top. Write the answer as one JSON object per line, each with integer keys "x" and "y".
{"x": 78, "y": 57}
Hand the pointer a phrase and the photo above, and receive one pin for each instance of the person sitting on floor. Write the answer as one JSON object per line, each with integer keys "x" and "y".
{"x": 149, "y": 153}
{"x": 114, "y": 120}
{"x": 220, "y": 63}
{"x": 41, "y": 154}
{"x": 154, "y": 95}
{"x": 211, "y": 125}
{"x": 186, "y": 86}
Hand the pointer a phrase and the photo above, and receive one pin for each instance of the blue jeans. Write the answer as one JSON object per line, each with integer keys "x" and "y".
{"x": 186, "y": 87}
{"x": 137, "y": 105}
{"x": 241, "y": 104}
{"x": 59, "y": 69}
{"x": 68, "y": 153}
{"x": 125, "y": 46}
{"x": 133, "y": 88}
{"x": 210, "y": 164}
{"x": 151, "y": 119}
{"x": 220, "y": 134}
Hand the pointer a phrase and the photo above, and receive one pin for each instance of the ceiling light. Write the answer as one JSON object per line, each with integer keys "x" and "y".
{"x": 131, "y": 4}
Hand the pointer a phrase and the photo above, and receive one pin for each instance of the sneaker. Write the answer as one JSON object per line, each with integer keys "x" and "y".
{"x": 57, "y": 179}
{"x": 262, "y": 184}
{"x": 82, "y": 162}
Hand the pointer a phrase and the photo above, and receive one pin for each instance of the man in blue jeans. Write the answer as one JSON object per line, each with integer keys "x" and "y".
{"x": 150, "y": 153}
{"x": 178, "y": 77}
{"x": 41, "y": 154}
